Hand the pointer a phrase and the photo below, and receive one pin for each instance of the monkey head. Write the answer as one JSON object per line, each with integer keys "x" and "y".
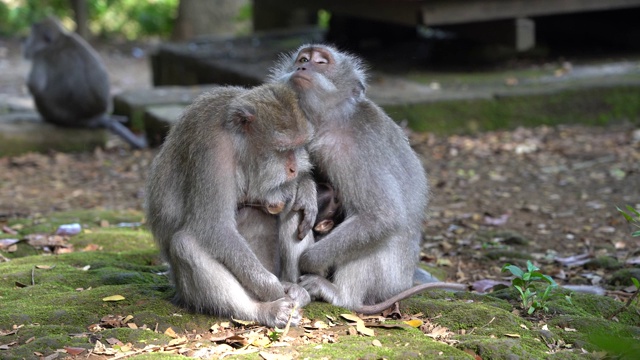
{"x": 43, "y": 35}
{"x": 322, "y": 73}
{"x": 269, "y": 132}
{"x": 269, "y": 120}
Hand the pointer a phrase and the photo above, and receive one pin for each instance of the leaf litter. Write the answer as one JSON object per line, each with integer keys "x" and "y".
{"x": 554, "y": 190}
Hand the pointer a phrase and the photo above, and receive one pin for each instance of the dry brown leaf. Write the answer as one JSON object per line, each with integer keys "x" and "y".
{"x": 169, "y": 332}
{"x": 269, "y": 356}
{"x": 74, "y": 350}
{"x": 362, "y": 329}
{"x": 178, "y": 341}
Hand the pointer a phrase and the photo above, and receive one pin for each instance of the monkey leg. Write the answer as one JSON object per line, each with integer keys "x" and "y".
{"x": 369, "y": 279}
{"x": 290, "y": 247}
{"x": 261, "y": 232}
{"x": 205, "y": 285}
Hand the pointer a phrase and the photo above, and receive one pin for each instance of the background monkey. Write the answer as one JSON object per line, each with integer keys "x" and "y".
{"x": 380, "y": 184}
{"x": 231, "y": 147}
{"x": 69, "y": 82}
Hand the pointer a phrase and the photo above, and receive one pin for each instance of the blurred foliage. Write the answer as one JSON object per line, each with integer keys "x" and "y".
{"x": 130, "y": 19}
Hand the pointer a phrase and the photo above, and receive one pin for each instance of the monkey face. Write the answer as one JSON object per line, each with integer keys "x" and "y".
{"x": 321, "y": 75}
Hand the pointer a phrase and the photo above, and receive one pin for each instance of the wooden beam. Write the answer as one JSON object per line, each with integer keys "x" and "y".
{"x": 447, "y": 12}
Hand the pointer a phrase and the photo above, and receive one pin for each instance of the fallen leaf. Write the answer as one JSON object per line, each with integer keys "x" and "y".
{"x": 416, "y": 323}
{"x": 178, "y": 341}
{"x": 362, "y": 329}
{"x": 6, "y": 243}
{"x": 8, "y": 230}
{"x": 376, "y": 342}
{"x": 351, "y": 317}
{"x": 269, "y": 356}
{"x": 512, "y": 335}
{"x": 169, "y": 332}
{"x": 114, "y": 298}
{"x": 113, "y": 341}
{"x": 74, "y": 350}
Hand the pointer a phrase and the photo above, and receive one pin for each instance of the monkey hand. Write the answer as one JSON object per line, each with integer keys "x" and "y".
{"x": 319, "y": 288}
{"x": 312, "y": 262}
{"x": 297, "y": 293}
{"x": 267, "y": 287}
{"x": 306, "y": 201}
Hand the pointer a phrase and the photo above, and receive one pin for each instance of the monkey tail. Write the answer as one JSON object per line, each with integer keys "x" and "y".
{"x": 380, "y": 307}
{"x": 138, "y": 142}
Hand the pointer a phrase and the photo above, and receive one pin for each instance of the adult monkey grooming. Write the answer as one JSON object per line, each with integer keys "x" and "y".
{"x": 232, "y": 147}
{"x": 69, "y": 82}
{"x": 380, "y": 182}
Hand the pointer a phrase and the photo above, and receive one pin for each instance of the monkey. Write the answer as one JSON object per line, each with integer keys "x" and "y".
{"x": 380, "y": 182}
{"x": 329, "y": 210}
{"x": 69, "y": 82}
{"x": 233, "y": 146}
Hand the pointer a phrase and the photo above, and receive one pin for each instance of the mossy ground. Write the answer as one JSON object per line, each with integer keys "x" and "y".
{"x": 64, "y": 295}
{"x": 588, "y": 106}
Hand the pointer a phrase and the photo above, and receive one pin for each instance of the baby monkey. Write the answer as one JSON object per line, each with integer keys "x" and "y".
{"x": 232, "y": 147}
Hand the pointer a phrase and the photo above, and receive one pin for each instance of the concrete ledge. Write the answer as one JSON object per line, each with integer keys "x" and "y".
{"x": 22, "y": 132}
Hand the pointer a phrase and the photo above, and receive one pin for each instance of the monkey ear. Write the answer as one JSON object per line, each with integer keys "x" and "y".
{"x": 359, "y": 90}
{"x": 243, "y": 116}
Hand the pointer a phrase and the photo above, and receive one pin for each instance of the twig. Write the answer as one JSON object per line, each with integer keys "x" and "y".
{"x": 286, "y": 328}
{"x": 487, "y": 324}
{"x": 33, "y": 276}
{"x": 626, "y": 305}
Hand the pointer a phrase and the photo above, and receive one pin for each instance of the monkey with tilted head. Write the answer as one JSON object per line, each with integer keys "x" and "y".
{"x": 368, "y": 260}
{"x": 234, "y": 159}
{"x": 69, "y": 82}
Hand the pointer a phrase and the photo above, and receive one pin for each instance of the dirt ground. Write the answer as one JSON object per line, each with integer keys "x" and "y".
{"x": 544, "y": 193}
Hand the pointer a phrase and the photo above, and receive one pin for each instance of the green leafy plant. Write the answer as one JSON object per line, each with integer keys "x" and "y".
{"x": 523, "y": 281}
{"x": 632, "y": 217}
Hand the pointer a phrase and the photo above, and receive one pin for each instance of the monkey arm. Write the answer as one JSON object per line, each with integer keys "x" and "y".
{"x": 374, "y": 212}
{"x": 358, "y": 234}
{"x": 306, "y": 201}
{"x": 213, "y": 218}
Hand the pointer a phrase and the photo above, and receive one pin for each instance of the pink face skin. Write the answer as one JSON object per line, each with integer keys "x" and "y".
{"x": 310, "y": 60}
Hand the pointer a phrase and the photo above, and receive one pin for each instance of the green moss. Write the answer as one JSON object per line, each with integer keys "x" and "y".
{"x": 396, "y": 344}
{"x": 623, "y": 277}
{"x": 604, "y": 262}
{"x": 320, "y": 311}
{"x": 67, "y": 297}
{"x": 580, "y": 330}
{"x": 589, "y": 106}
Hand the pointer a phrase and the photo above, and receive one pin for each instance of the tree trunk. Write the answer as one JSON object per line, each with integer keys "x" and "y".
{"x": 206, "y": 17}
{"x": 81, "y": 17}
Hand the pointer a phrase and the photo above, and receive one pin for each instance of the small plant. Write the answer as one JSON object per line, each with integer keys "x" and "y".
{"x": 523, "y": 282}
{"x": 633, "y": 218}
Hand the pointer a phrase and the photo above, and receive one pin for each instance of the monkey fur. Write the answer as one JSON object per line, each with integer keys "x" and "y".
{"x": 231, "y": 147}
{"x": 68, "y": 81}
{"x": 380, "y": 184}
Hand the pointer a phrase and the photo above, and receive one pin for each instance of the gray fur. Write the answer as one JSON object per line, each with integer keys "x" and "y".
{"x": 232, "y": 147}
{"x": 69, "y": 82}
{"x": 380, "y": 181}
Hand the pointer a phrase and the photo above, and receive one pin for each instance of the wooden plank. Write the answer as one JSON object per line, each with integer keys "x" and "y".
{"x": 447, "y": 12}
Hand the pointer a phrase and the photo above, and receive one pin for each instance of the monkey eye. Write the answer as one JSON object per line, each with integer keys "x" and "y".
{"x": 303, "y": 60}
